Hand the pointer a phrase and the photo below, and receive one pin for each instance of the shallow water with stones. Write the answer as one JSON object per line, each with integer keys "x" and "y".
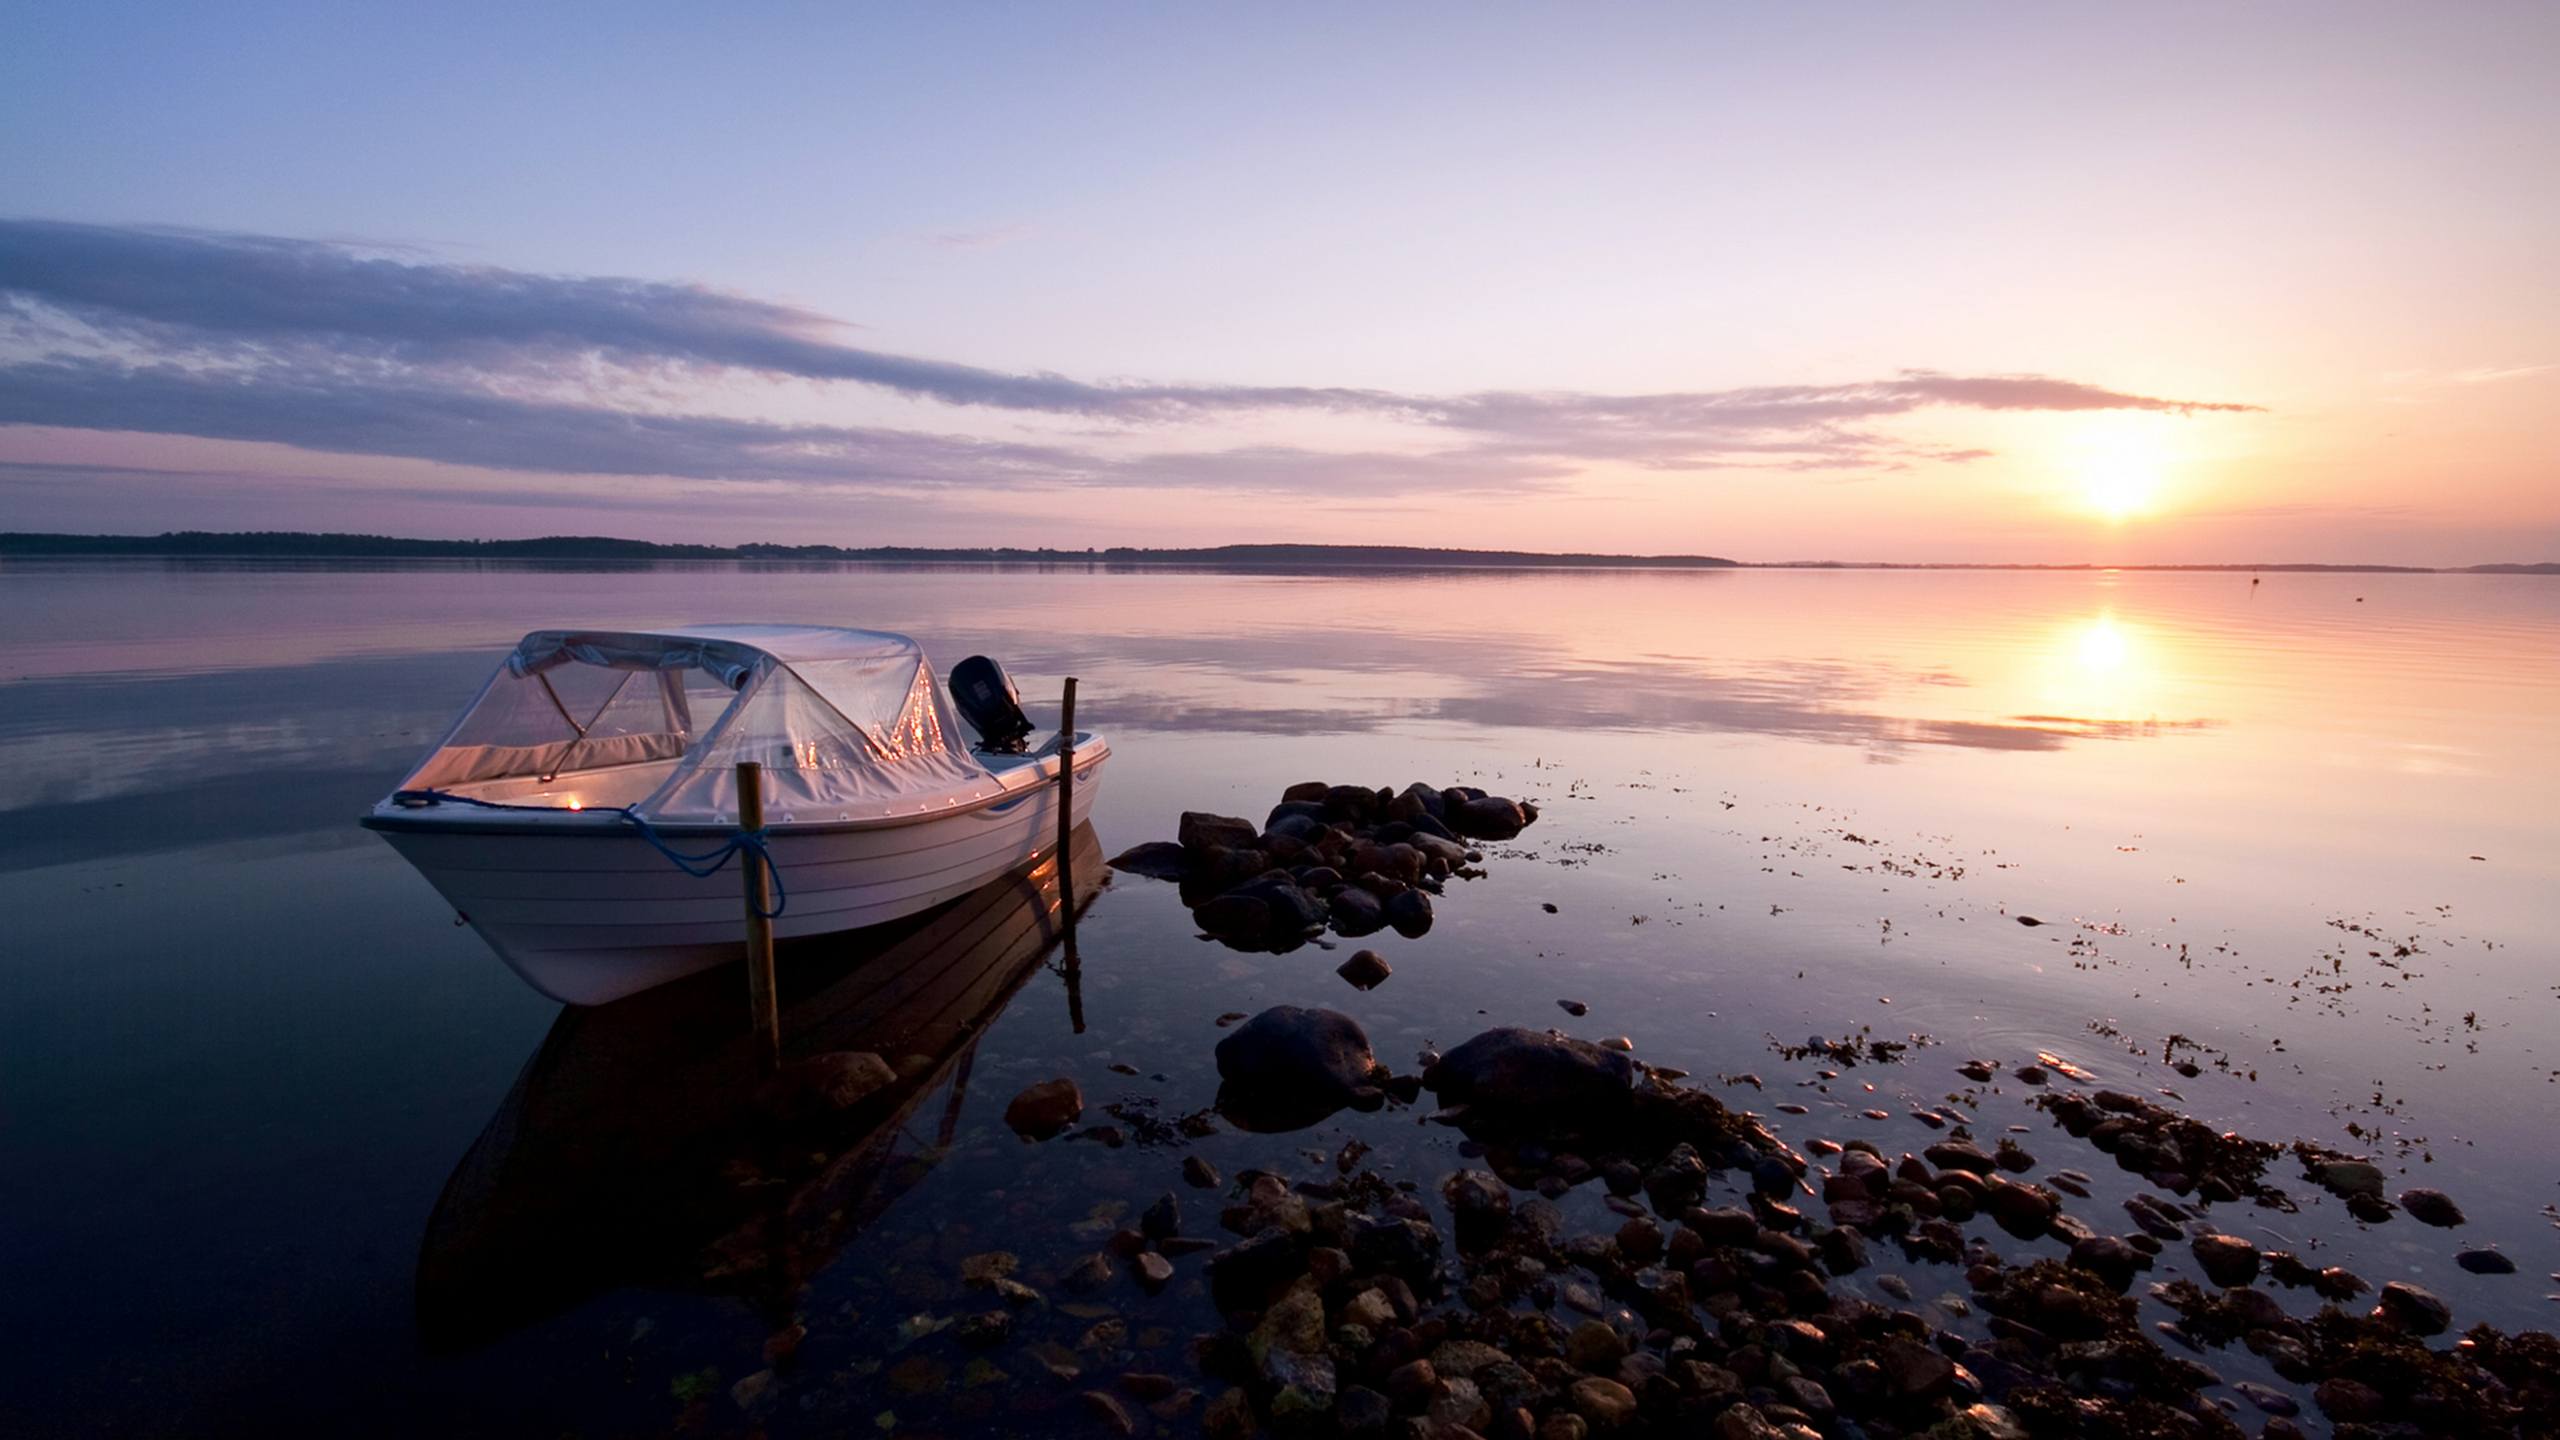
{"x": 248, "y": 1049}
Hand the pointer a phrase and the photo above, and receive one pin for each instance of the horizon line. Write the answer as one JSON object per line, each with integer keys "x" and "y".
{"x": 314, "y": 545}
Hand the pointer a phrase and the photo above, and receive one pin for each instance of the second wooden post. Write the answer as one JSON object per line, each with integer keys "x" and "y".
{"x": 1066, "y": 854}
{"x": 1066, "y": 778}
{"x": 763, "y": 1008}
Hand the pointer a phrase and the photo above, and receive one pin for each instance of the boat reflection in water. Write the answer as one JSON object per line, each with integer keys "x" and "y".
{"x": 640, "y": 1145}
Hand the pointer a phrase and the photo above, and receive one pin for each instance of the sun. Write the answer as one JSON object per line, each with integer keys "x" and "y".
{"x": 2120, "y": 463}
{"x": 2120, "y": 487}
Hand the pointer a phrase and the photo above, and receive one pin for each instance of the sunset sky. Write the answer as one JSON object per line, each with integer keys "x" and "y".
{"x": 1901, "y": 282}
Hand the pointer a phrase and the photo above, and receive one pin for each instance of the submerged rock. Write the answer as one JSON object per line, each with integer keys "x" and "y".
{"x": 2226, "y": 1259}
{"x": 1960, "y": 1155}
{"x": 2109, "y": 1258}
{"x": 2344, "y": 1176}
{"x": 1366, "y": 969}
{"x": 2417, "y": 1310}
{"x": 1481, "y": 1204}
{"x": 1156, "y": 859}
{"x": 1045, "y": 1109}
{"x": 2431, "y": 1207}
{"x": 837, "y": 1080}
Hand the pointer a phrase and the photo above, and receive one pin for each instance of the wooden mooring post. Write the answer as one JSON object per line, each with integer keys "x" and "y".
{"x": 1066, "y": 779}
{"x": 763, "y": 1009}
{"x": 1073, "y": 965}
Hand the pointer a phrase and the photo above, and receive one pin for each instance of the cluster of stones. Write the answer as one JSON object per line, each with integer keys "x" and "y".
{"x": 2173, "y": 1151}
{"x": 1352, "y": 1305}
{"x": 1343, "y": 857}
{"x": 2179, "y": 1153}
{"x": 1694, "y": 1318}
{"x": 2373, "y": 1374}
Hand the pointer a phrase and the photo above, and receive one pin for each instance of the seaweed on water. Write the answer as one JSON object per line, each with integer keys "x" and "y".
{"x": 2050, "y": 1410}
{"x": 2060, "y": 1300}
{"x": 1850, "y": 1050}
{"x": 2167, "y": 1148}
{"x": 2439, "y": 1390}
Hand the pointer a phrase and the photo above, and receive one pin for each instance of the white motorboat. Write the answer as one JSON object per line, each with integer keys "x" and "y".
{"x": 553, "y": 814}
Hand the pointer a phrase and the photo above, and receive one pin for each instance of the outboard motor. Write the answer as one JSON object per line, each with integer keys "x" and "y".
{"x": 991, "y": 705}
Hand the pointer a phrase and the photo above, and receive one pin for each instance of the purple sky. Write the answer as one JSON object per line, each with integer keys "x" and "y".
{"x": 2177, "y": 284}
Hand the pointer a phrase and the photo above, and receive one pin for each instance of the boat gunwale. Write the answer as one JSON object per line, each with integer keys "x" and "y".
{"x": 600, "y": 822}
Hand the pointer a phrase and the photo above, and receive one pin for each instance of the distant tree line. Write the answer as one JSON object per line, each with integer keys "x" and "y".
{"x": 297, "y": 544}
{"x": 291, "y": 544}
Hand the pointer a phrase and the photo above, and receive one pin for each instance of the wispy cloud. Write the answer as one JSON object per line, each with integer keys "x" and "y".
{"x": 977, "y": 239}
{"x": 374, "y": 351}
{"x": 2493, "y": 374}
{"x": 2473, "y": 375}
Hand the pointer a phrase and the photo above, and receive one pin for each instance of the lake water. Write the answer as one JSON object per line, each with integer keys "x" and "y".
{"x": 247, "y": 1046}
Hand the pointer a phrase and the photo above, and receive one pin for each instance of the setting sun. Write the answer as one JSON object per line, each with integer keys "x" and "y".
{"x": 2119, "y": 463}
{"x": 2121, "y": 487}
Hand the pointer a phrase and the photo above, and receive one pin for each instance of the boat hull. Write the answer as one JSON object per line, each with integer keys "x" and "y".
{"x": 590, "y": 916}
{"x": 614, "y": 1159}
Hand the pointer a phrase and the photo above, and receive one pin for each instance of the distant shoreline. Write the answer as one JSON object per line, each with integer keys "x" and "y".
{"x": 301, "y": 545}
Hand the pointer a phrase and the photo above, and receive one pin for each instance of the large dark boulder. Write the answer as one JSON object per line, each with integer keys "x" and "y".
{"x": 1490, "y": 817}
{"x": 1517, "y": 1069}
{"x": 1288, "y": 1067}
{"x": 1200, "y": 830}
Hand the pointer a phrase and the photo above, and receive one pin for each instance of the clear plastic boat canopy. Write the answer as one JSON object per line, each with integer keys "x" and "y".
{"x": 847, "y": 723}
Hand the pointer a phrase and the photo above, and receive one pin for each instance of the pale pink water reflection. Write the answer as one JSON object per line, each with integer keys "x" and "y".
{"x": 1776, "y": 804}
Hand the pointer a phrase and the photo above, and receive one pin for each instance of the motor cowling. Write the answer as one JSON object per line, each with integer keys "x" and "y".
{"x": 990, "y": 704}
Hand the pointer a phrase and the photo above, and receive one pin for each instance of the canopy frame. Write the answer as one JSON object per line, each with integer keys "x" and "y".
{"x": 840, "y": 718}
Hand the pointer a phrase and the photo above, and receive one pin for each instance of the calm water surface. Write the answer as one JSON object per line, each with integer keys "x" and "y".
{"x": 247, "y": 1046}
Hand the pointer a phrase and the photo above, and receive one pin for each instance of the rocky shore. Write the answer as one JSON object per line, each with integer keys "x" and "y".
{"x": 1735, "y": 1294}
{"x": 1618, "y": 1252}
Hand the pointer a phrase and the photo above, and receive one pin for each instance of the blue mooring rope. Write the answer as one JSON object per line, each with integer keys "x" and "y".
{"x": 701, "y": 867}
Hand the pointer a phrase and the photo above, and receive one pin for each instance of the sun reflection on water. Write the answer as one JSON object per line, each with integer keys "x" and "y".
{"x": 2105, "y": 668}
